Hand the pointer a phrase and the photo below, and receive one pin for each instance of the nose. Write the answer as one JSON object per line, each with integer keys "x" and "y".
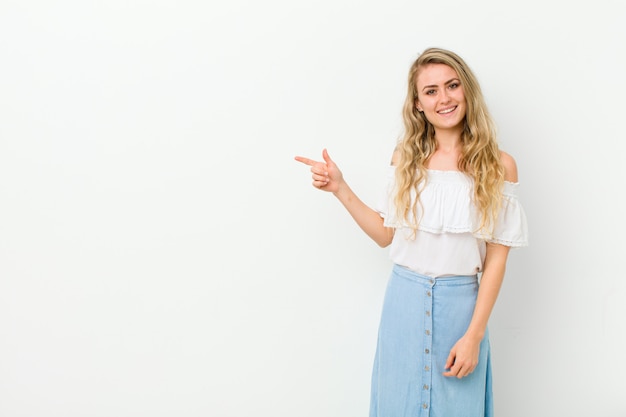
{"x": 444, "y": 97}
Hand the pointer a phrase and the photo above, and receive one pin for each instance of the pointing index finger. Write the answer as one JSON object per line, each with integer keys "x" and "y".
{"x": 305, "y": 161}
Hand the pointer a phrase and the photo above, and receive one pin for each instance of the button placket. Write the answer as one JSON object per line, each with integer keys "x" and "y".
{"x": 428, "y": 342}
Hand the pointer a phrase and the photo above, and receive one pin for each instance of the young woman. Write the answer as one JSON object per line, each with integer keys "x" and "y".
{"x": 451, "y": 214}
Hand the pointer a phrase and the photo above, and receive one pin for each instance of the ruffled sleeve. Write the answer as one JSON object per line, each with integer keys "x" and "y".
{"x": 385, "y": 197}
{"x": 511, "y": 227}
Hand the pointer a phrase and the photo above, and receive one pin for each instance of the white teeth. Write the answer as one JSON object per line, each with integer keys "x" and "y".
{"x": 447, "y": 110}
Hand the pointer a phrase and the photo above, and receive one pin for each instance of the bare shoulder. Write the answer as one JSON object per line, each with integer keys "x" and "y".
{"x": 510, "y": 167}
{"x": 395, "y": 158}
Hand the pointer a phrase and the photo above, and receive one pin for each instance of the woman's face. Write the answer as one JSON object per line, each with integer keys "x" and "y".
{"x": 440, "y": 96}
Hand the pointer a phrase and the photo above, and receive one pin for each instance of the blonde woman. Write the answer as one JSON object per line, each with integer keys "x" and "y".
{"x": 450, "y": 216}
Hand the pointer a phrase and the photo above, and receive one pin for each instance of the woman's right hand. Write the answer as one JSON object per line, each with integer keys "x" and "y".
{"x": 326, "y": 175}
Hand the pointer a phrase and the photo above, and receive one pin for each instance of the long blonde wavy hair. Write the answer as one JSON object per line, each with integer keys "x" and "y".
{"x": 480, "y": 156}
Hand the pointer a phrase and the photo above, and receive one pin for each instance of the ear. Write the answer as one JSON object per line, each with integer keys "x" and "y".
{"x": 417, "y": 106}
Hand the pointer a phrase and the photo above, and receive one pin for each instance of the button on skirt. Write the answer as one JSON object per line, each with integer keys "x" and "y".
{"x": 422, "y": 318}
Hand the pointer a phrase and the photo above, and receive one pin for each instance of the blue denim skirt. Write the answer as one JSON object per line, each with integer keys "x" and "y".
{"x": 422, "y": 318}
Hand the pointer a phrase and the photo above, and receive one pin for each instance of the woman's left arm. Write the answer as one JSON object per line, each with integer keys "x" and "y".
{"x": 463, "y": 356}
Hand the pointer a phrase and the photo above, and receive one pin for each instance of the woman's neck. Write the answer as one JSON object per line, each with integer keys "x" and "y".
{"x": 446, "y": 156}
{"x": 448, "y": 140}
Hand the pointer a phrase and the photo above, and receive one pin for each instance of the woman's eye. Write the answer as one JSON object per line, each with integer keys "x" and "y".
{"x": 454, "y": 85}
{"x": 430, "y": 92}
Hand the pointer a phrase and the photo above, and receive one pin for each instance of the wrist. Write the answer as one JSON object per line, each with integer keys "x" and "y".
{"x": 342, "y": 189}
{"x": 475, "y": 335}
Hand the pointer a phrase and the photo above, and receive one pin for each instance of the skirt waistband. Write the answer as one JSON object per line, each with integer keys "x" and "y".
{"x": 414, "y": 276}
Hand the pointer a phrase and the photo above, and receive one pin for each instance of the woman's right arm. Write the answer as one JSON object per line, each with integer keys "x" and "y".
{"x": 328, "y": 177}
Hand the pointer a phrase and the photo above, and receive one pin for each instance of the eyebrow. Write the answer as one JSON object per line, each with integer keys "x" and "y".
{"x": 446, "y": 83}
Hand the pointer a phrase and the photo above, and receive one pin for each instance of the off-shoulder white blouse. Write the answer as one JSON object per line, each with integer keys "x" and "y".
{"x": 447, "y": 242}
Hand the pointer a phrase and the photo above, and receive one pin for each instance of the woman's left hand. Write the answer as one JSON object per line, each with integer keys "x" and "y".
{"x": 463, "y": 357}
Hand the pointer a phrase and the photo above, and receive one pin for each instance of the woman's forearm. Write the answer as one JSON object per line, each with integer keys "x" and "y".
{"x": 368, "y": 219}
{"x": 490, "y": 284}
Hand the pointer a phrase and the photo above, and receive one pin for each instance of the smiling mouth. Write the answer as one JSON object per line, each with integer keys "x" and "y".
{"x": 448, "y": 110}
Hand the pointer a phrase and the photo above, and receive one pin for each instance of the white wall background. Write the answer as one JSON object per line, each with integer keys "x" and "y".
{"x": 161, "y": 254}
